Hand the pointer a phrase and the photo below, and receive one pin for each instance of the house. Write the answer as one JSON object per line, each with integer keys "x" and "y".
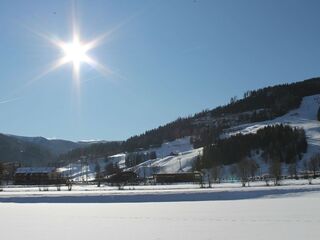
{"x": 37, "y": 175}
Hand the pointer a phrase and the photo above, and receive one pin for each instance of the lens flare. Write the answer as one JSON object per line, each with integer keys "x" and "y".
{"x": 75, "y": 52}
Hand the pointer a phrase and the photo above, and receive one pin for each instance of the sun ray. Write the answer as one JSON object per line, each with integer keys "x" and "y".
{"x": 55, "y": 65}
{"x": 76, "y": 51}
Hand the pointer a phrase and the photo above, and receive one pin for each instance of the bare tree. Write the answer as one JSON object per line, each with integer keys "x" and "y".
{"x": 233, "y": 171}
{"x": 98, "y": 174}
{"x": 112, "y": 169}
{"x": 292, "y": 170}
{"x": 253, "y": 166}
{"x": 266, "y": 179}
{"x": 246, "y": 170}
{"x": 306, "y": 173}
{"x": 216, "y": 173}
{"x": 243, "y": 171}
{"x": 275, "y": 170}
{"x": 314, "y": 164}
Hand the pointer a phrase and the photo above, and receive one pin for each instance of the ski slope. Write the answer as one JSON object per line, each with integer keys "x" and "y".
{"x": 181, "y": 162}
{"x": 174, "y": 156}
{"x": 303, "y": 117}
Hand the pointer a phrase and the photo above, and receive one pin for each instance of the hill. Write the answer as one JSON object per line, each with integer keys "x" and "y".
{"x": 205, "y": 127}
{"x": 26, "y": 153}
{"x": 31, "y": 151}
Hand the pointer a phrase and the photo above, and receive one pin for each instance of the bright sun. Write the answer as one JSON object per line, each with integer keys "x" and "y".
{"x": 75, "y": 52}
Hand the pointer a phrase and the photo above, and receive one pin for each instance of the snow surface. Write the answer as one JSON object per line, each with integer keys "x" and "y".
{"x": 181, "y": 162}
{"x": 182, "y": 149}
{"x": 291, "y": 213}
{"x": 152, "y": 193}
{"x": 177, "y": 146}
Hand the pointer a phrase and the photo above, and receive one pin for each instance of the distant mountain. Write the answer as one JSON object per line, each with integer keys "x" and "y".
{"x": 16, "y": 150}
{"x": 204, "y": 127}
{"x": 55, "y": 146}
{"x": 36, "y": 150}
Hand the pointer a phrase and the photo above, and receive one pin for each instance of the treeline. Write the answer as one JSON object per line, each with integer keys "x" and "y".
{"x": 206, "y": 136}
{"x": 276, "y": 142}
{"x": 278, "y": 99}
{"x": 93, "y": 151}
{"x": 133, "y": 159}
{"x": 264, "y": 104}
{"x": 177, "y": 129}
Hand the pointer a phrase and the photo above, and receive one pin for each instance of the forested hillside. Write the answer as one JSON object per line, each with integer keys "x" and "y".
{"x": 283, "y": 143}
{"x": 205, "y": 127}
{"x": 28, "y": 154}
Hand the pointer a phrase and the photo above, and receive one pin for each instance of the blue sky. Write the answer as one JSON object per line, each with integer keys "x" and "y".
{"x": 169, "y": 58}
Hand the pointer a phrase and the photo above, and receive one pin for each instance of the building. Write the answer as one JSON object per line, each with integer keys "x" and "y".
{"x": 37, "y": 176}
{"x": 183, "y": 177}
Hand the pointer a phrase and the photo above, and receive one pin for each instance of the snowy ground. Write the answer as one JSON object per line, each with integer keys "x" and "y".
{"x": 293, "y": 213}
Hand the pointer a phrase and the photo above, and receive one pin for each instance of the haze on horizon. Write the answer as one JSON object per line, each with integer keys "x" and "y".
{"x": 168, "y": 59}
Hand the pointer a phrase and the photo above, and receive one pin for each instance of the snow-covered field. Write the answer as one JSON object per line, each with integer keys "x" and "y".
{"x": 291, "y": 212}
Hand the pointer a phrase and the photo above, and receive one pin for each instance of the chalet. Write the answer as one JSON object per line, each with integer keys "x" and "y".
{"x": 37, "y": 175}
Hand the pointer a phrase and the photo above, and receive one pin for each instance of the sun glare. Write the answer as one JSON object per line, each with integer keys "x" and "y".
{"x": 75, "y": 52}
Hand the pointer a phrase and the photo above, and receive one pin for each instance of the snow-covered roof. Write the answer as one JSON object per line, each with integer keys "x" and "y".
{"x": 35, "y": 170}
{"x": 118, "y": 155}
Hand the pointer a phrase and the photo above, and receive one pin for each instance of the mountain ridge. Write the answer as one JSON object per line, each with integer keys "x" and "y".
{"x": 255, "y": 106}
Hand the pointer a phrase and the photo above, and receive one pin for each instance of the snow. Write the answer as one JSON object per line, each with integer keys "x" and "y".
{"x": 154, "y": 193}
{"x": 287, "y": 213}
{"x": 119, "y": 159}
{"x": 176, "y": 146}
{"x": 303, "y": 117}
{"x": 181, "y": 162}
{"x": 181, "y": 148}
{"x": 172, "y": 157}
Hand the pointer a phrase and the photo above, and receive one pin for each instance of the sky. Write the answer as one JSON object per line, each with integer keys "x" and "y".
{"x": 167, "y": 59}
